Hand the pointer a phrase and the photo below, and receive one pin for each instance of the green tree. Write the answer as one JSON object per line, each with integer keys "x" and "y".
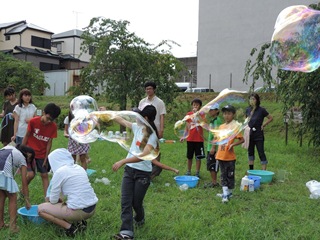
{"x": 122, "y": 62}
{"x": 21, "y": 74}
{"x": 295, "y": 89}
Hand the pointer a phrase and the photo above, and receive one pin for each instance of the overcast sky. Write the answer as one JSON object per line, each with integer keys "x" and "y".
{"x": 152, "y": 20}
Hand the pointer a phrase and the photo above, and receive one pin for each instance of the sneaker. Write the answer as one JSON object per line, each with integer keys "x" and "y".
{"x": 225, "y": 199}
{"x": 121, "y": 236}
{"x": 188, "y": 173}
{"x": 82, "y": 225}
{"x": 197, "y": 175}
{"x": 71, "y": 232}
{"x": 222, "y": 195}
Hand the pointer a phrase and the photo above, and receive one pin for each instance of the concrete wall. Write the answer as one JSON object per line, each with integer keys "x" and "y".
{"x": 59, "y": 81}
{"x": 228, "y": 30}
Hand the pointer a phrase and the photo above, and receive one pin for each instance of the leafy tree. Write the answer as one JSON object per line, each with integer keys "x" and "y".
{"x": 122, "y": 62}
{"x": 21, "y": 74}
{"x": 296, "y": 89}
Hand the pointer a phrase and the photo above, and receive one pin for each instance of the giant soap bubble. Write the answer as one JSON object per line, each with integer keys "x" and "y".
{"x": 85, "y": 127}
{"x": 202, "y": 118}
{"x": 296, "y": 38}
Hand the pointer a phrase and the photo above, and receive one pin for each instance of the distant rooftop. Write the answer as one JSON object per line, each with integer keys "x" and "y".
{"x": 20, "y": 26}
{"x": 70, "y": 33}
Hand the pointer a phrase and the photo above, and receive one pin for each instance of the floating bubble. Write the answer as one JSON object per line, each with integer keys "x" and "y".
{"x": 222, "y": 136}
{"x": 85, "y": 128}
{"x": 295, "y": 41}
{"x": 83, "y": 104}
{"x": 202, "y": 118}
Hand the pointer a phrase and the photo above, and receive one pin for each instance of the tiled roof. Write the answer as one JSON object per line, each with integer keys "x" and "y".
{"x": 25, "y": 26}
{"x": 47, "y": 53}
{"x": 11, "y": 24}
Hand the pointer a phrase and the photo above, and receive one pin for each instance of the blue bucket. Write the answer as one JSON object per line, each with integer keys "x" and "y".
{"x": 256, "y": 180}
{"x": 31, "y": 214}
{"x": 191, "y": 181}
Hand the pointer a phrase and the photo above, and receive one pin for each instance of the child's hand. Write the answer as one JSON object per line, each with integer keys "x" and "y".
{"x": 27, "y": 205}
{"x": 117, "y": 165}
{"x": 176, "y": 171}
{"x": 181, "y": 139}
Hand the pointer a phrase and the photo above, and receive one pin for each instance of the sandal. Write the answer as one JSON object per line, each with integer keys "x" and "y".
{"x": 121, "y": 236}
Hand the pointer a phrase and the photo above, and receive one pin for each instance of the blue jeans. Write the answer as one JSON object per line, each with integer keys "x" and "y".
{"x": 135, "y": 184}
{"x": 19, "y": 140}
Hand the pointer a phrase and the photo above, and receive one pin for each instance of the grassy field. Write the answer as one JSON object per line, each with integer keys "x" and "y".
{"x": 280, "y": 210}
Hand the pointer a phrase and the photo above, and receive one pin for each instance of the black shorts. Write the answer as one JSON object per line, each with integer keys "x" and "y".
{"x": 38, "y": 163}
{"x": 195, "y": 149}
{"x": 212, "y": 164}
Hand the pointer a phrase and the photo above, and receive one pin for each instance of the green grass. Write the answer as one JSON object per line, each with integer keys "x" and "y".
{"x": 276, "y": 211}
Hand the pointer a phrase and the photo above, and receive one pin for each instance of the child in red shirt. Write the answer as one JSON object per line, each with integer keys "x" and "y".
{"x": 41, "y": 130}
{"x": 194, "y": 140}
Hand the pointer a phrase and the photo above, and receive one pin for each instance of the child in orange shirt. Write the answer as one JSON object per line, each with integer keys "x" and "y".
{"x": 226, "y": 155}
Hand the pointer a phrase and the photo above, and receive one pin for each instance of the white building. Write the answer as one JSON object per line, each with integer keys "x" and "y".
{"x": 228, "y": 30}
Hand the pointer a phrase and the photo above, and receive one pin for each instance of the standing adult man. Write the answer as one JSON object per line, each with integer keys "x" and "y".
{"x": 152, "y": 99}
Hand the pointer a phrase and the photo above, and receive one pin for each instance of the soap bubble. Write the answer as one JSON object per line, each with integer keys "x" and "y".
{"x": 181, "y": 129}
{"x": 295, "y": 41}
{"x": 202, "y": 118}
{"x": 85, "y": 127}
{"x": 83, "y": 104}
{"x": 223, "y": 136}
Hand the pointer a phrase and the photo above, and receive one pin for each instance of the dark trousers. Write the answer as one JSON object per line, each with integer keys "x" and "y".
{"x": 260, "y": 147}
{"x": 227, "y": 172}
{"x": 135, "y": 184}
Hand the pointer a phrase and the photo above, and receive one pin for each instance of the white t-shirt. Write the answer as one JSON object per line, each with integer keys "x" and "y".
{"x": 72, "y": 182}
{"x": 138, "y": 136}
{"x": 158, "y": 104}
{"x": 24, "y": 112}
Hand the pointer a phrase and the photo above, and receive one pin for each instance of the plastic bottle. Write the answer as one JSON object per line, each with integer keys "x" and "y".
{"x": 244, "y": 184}
{"x": 251, "y": 185}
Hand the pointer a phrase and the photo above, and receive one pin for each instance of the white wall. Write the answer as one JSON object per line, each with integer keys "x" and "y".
{"x": 228, "y": 30}
{"x": 59, "y": 82}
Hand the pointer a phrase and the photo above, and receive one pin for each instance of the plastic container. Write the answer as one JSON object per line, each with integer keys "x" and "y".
{"x": 191, "y": 181}
{"x": 314, "y": 188}
{"x": 256, "y": 180}
{"x": 31, "y": 214}
{"x": 266, "y": 176}
{"x": 251, "y": 185}
{"x": 244, "y": 184}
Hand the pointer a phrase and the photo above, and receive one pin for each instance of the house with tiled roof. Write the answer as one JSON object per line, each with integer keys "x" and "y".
{"x": 57, "y": 55}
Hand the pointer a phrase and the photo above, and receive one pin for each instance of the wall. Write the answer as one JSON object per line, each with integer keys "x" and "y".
{"x": 228, "y": 30}
{"x": 59, "y": 81}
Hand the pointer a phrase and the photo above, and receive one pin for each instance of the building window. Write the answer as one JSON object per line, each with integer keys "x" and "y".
{"x": 7, "y": 38}
{"x": 40, "y": 42}
{"x": 59, "y": 47}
